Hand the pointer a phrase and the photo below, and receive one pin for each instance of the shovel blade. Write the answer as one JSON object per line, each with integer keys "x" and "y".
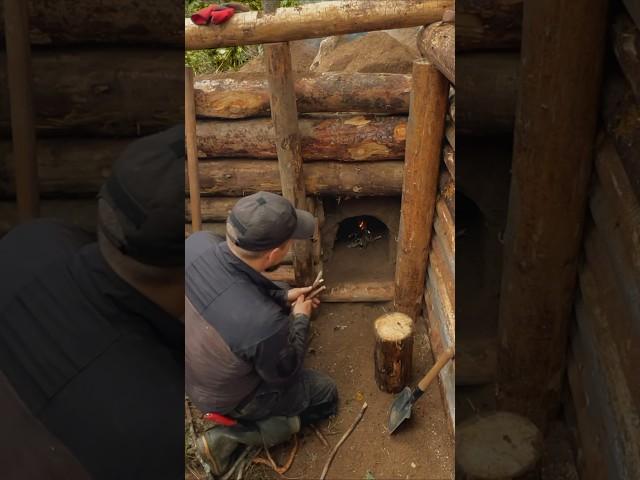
{"x": 400, "y": 409}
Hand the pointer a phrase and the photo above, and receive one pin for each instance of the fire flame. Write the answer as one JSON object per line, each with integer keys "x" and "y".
{"x": 362, "y": 224}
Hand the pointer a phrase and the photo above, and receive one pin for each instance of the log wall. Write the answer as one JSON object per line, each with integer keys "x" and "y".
{"x": 102, "y": 72}
{"x": 605, "y": 339}
{"x": 439, "y": 295}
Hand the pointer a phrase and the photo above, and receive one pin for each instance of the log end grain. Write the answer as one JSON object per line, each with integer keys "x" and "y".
{"x": 497, "y": 446}
{"x": 393, "y": 351}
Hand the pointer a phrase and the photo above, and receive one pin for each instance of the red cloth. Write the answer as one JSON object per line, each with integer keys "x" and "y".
{"x": 215, "y": 14}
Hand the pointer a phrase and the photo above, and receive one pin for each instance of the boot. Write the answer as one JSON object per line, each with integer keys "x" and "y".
{"x": 218, "y": 444}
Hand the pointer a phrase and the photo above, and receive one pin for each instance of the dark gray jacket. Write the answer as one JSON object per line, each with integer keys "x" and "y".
{"x": 238, "y": 328}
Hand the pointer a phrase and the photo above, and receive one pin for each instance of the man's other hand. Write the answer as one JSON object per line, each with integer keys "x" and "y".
{"x": 294, "y": 293}
{"x": 304, "y": 306}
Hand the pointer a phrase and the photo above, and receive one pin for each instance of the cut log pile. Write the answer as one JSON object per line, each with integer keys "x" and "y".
{"x": 605, "y": 344}
{"x": 101, "y": 74}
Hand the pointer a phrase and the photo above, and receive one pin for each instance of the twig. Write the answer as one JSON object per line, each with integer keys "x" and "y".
{"x": 319, "y": 435}
{"x": 318, "y": 280}
{"x": 316, "y": 292}
{"x": 241, "y": 457}
{"x": 272, "y": 464}
{"x": 192, "y": 431}
{"x": 344, "y": 437}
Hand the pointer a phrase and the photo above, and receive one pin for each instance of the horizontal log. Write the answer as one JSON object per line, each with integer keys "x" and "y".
{"x": 79, "y": 212}
{"x": 70, "y": 167}
{"x": 314, "y": 20}
{"x": 212, "y": 209}
{"x": 73, "y": 22}
{"x": 284, "y": 273}
{"x": 437, "y": 43}
{"x": 344, "y": 137}
{"x": 626, "y": 45}
{"x": 243, "y": 177}
{"x": 114, "y": 92}
{"x": 241, "y": 95}
{"x": 359, "y": 292}
{"x": 488, "y": 25}
{"x": 487, "y": 92}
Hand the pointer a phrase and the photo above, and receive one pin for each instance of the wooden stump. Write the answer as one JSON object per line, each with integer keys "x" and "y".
{"x": 499, "y": 446}
{"x": 394, "y": 347}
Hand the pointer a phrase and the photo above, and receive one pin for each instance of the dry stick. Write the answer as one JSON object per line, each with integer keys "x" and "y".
{"x": 271, "y": 463}
{"x": 344, "y": 437}
{"x": 245, "y": 453}
{"x": 316, "y": 292}
{"x": 319, "y": 435}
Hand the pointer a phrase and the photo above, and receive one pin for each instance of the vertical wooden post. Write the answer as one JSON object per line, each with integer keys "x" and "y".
{"x": 425, "y": 130}
{"x": 562, "y": 50}
{"x": 284, "y": 114}
{"x": 192, "y": 150}
{"x": 23, "y": 130}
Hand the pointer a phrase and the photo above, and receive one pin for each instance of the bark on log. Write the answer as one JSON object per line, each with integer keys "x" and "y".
{"x": 559, "y": 93}
{"x": 393, "y": 351}
{"x": 420, "y": 182}
{"x": 82, "y": 22}
{"x": 621, "y": 113}
{"x": 497, "y": 446}
{"x": 243, "y": 177}
{"x": 358, "y": 292}
{"x": 69, "y": 167}
{"x": 437, "y": 43}
{"x": 626, "y": 45}
{"x": 284, "y": 273}
{"x": 609, "y": 391}
{"x": 315, "y": 20}
{"x": 124, "y": 95}
{"x": 214, "y": 209}
{"x": 487, "y": 92}
{"x": 345, "y": 137}
{"x": 241, "y": 95}
{"x": 284, "y": 115}
{"x": 488, "y": 25}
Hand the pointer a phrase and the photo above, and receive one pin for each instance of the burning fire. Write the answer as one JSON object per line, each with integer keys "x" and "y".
{"x": 362, "y": 225}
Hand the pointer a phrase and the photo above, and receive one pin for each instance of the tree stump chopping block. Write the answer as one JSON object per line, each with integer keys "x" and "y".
{"x": 393, "y": 352}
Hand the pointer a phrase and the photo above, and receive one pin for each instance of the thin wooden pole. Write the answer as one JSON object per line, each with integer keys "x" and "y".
{"x": 192, "y": 150}
{"x": 553, "y": 155}
{"x": 284, "y": 114}
{"x": 425, "y": 130}
{"x": 23, "y": 130}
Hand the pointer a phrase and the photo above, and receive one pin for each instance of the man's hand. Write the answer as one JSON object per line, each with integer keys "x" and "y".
{"x": 304, "y": 306}
{"x": 294, "y": 293}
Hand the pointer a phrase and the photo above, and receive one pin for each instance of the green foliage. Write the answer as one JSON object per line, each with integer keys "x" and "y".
{"x": 223, "y": 59}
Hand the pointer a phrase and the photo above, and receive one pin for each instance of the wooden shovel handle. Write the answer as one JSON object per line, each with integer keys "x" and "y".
{"x": 441, "y": 362}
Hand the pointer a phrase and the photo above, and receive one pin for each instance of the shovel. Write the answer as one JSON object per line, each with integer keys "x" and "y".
{"x": 401, "y": 408}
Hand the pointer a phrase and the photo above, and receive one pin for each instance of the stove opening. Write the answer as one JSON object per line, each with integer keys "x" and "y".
{"x": 360, "y": 251}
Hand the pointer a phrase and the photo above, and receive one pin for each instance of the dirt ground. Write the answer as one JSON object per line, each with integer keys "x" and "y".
{"x": 342, "y": 346}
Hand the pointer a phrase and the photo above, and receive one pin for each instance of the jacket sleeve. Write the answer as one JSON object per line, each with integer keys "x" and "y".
{"x": 279, "y": 358}
{"x": 280, "y": 296}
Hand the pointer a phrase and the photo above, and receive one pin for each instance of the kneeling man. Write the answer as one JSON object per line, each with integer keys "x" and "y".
{"x": 245, "y": 336}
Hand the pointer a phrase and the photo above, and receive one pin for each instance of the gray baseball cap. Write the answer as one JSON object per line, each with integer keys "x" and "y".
{"x": 265, "y": 220}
